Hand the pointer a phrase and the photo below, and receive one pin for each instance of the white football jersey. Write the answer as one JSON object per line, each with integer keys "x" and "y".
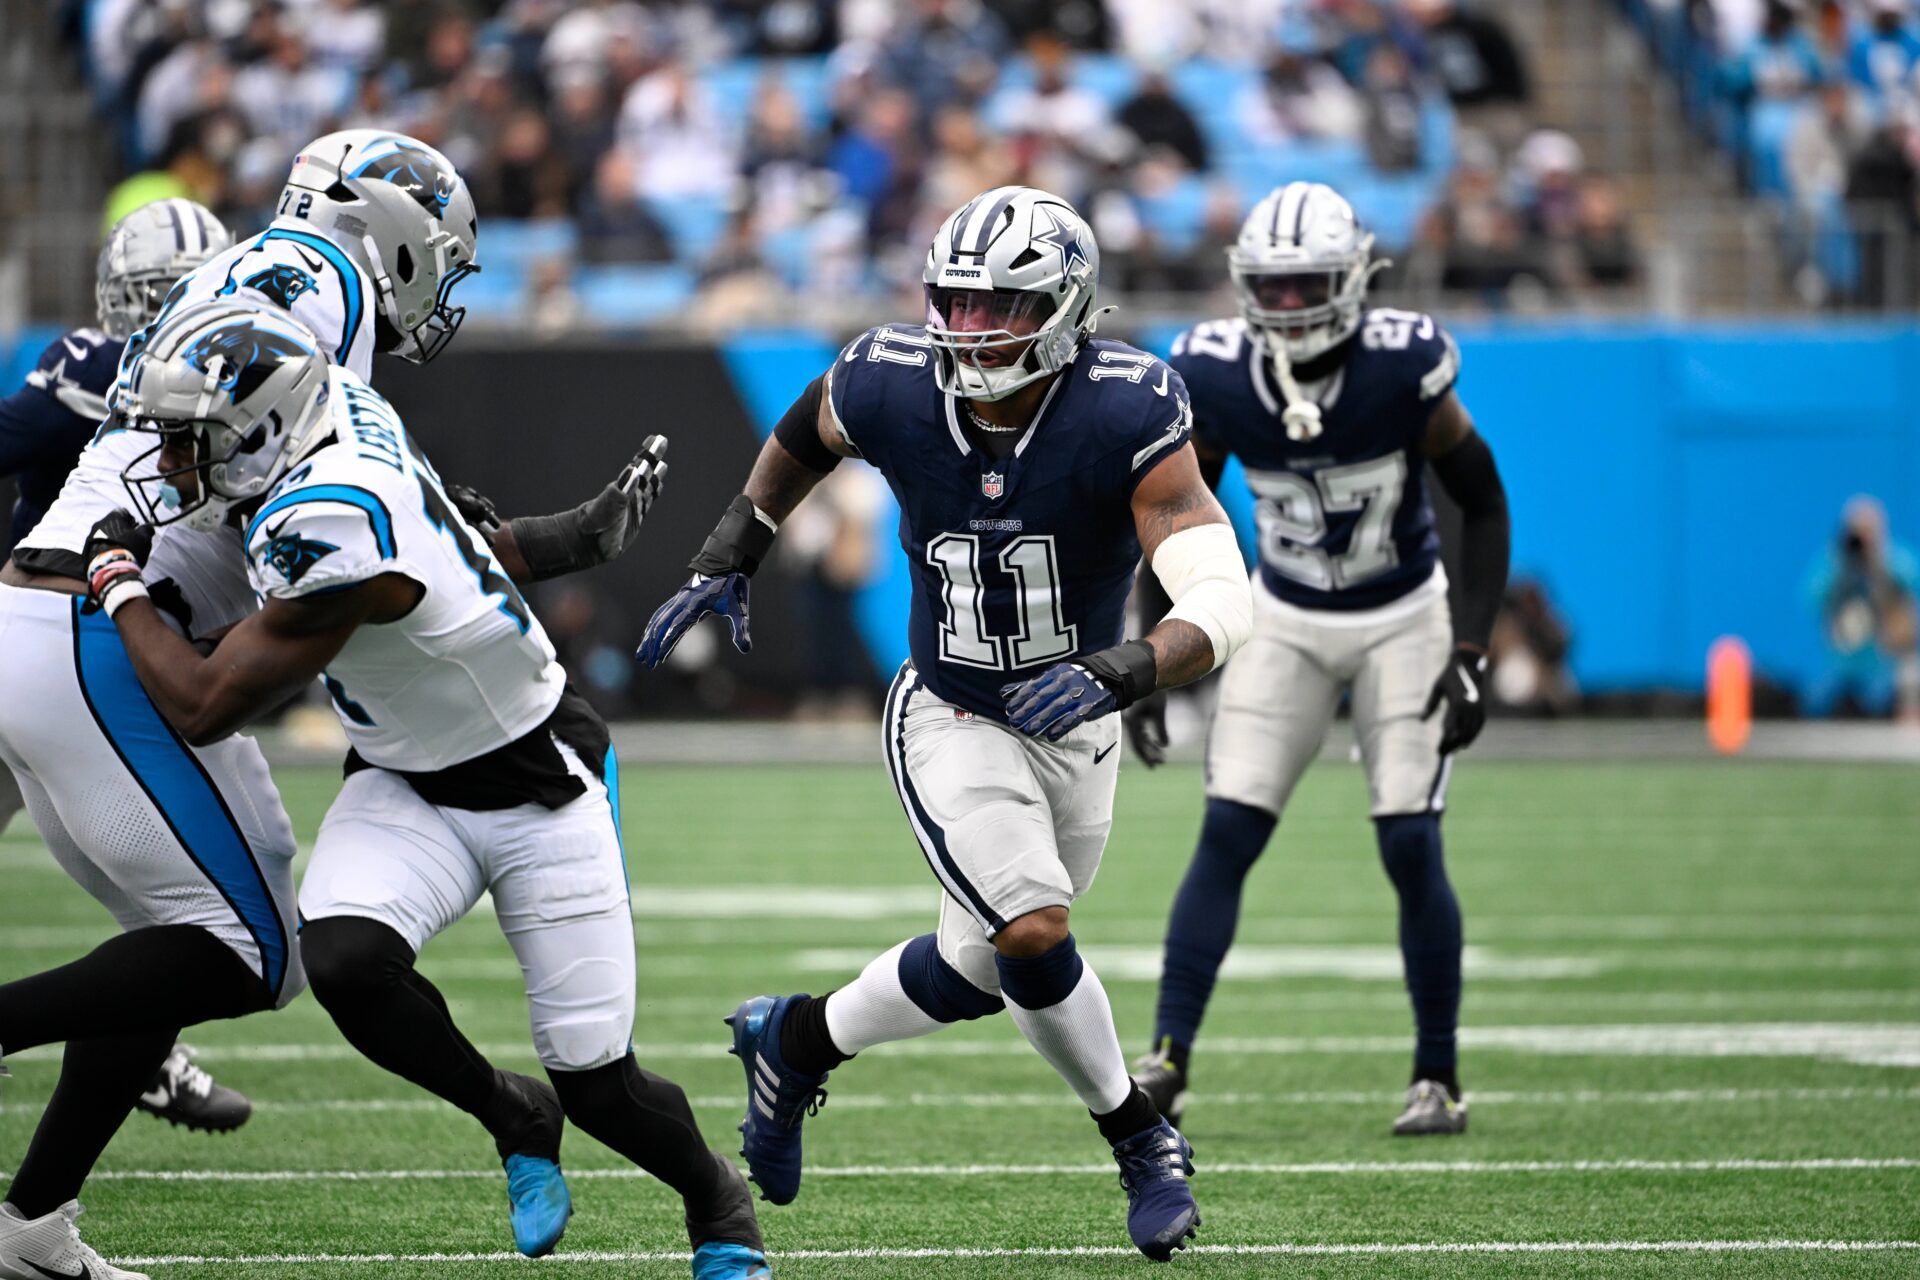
{"x": 289, "y": 265}
{"x": 469, "y": 669}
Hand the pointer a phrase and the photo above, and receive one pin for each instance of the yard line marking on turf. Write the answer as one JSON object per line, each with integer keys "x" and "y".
{"x": 1887, "y": 1044}
{"x": 1363, "y": 963}
{"x": 1373, "y": 1168}
{"x": 1076, "y": 1251}
{"x": 996, "y": 1101}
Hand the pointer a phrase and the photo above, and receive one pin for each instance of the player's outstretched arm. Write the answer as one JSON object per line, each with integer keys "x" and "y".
{"x": 804, "y": 447}
{"x": 259, "y": 664}
{"x": 1184, "y": 534}
{"x": 597, "y": 532}
{"x": 1464, "y": 464}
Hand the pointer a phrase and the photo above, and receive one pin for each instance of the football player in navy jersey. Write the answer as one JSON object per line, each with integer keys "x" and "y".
{"x": 43, "y": 427}
{"x": 1035, "y": 466}
{"x": 1337, "y": 414}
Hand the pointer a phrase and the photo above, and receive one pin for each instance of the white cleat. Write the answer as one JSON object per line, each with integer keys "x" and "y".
{"x": 1431, "y": 1108}
{"x": 50, "y": 1248}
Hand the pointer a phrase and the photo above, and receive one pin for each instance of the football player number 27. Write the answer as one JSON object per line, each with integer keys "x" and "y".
{"x": 1293, "y": 511}
{"x": 1035, "y": 568}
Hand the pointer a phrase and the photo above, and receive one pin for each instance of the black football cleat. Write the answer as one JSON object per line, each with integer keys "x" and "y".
{"x": 183, "y": 1093}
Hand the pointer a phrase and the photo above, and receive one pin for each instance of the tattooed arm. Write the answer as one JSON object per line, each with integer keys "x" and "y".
{"x": 1174, "y": 497}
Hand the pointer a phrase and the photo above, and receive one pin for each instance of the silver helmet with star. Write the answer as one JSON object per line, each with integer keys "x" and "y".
{"x": 1011, "y": 280}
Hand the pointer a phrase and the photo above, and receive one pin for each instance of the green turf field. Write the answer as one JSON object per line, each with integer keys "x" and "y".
{"x": 1693, "y": 1047}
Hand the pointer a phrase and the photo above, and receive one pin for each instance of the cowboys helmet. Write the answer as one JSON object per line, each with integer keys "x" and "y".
{"x": 242, "y": 388}
{"x": 404, "y": 215}
{"x": 145, "y": 254}
{"x": 1010, "y": 279}
{"x": 1301, "y": 268}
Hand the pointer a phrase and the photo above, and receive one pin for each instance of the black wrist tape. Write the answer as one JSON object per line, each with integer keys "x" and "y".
{"x": 799, "y": 430}
{"x": 1130, "y": 670}
{"x": 554, "y": 545}
{"x": 737, "y": 544}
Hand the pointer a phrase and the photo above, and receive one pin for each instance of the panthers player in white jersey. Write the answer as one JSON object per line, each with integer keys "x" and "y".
{"x": 474, "y": 767}
{"x": 1337, "y": 413}
{"x": 387, "y": 229}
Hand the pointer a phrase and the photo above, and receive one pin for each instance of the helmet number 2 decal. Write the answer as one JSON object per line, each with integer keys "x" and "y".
{"x": 300, "y": 209}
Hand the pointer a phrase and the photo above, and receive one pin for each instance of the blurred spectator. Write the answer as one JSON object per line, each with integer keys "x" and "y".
{"x": 615, "y": 224}
{"x": 1394, "y": 111}
{"x": 1475, "y": 236}
{"x": 1862, "y": 587}
{"x": 524, "y": 177}
{"x": 583, "y": 129}
{"x": 1881, "y": 205}
{"x": 966, "y": 160}
{"x": 1884, "y": 52}
{"x": 782, "y": 27}
{"x": 1058, "y": 129}
{"x": 1529, "y": 651}
{"x": 875, "y": 159}
{"x": 1472, "y": 54}
{"x": 781, "y": 174}
{"x": 1299, "y": 96}
{"x": 194, "y": 165}
{"x": 944, "y": 51}
{"x": 1084, "y": 24}
{"x": 1606, "y": 253}
{"x": 670, "y": 123}
{"x": 347, "y": 35}
{"x": 1158, "y": 119}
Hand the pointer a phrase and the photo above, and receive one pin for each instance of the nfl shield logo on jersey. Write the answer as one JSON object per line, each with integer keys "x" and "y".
{"x": 993, "y": 484}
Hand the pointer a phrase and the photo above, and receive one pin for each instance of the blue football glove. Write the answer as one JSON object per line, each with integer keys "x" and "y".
{"x": 725, "y": 595}
{"x": 1057, "y": 701}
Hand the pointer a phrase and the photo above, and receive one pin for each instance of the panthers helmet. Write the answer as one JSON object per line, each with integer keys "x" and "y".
{"x": 1301, "y": 268}
{"x": 405, "y": 216}
{"x": 145, "y": 254}
{"x": 1011, "y": 280}
{"x": 244, "y": 387}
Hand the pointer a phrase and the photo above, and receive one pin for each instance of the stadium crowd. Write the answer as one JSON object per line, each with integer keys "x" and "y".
{"x": 708, "y": 161}
{"x": 1818, "y": 101}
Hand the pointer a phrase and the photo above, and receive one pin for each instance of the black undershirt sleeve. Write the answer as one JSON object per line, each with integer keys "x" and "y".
{"x": 799, "y": 430}
{"x": 1473, "y": 482}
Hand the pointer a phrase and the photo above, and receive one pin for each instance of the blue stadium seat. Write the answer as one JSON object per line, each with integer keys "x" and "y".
{"x": 694, "y": 223}
{"x": 498, "y": 290}
{"x": 734, "y": 83}
{"x": 1177, "y": 215}
{"x": 511, "y": 246}
{"x": 633, "y": 295}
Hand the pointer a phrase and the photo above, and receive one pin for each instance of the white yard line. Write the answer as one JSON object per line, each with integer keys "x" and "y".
{"x": 1228, "y": 1098}
{"x": 1370, "y": 1168}
{"x": 1886, "y": 1044}
{"x": 1080, "y": 1251}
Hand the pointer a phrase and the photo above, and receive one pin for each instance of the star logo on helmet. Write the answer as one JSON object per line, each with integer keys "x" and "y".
{"x": 1064, "y": 236}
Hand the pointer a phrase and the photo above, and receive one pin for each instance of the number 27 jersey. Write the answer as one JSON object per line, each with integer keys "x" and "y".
{"x": 1344, "y": 519}
{"x": 1023, "y": 561}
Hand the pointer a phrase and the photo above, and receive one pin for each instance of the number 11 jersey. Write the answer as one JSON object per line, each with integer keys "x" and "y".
{"x": 1022, "y": 561}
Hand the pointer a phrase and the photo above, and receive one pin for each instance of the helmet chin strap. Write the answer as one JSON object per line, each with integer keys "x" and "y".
{"x": 1301, "y": 415}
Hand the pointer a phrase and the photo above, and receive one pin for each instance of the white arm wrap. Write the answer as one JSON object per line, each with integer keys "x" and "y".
{"x": 1203, "y": 573}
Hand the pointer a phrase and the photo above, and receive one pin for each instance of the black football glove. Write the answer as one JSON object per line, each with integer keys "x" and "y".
{"x": 599, "y": 529}
{"x": 1146, "y": 725}
{"x": 1462, "y": 687}
{"x": 475, "y": 508}
{"x": 116, "y": 549}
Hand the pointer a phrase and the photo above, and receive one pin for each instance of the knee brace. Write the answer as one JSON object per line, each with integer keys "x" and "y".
{"x": 941, "y": 991}
{"x": 1042, "y": 981}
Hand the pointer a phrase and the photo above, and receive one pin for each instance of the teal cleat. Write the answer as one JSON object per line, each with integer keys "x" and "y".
{"x": 717, "y": 1261}
{"x": 540, "y": 1204}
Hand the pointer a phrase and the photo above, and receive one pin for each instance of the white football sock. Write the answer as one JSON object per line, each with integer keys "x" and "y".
{"x": 874, "y": 1008}
{"x": 1077, "y": 1037}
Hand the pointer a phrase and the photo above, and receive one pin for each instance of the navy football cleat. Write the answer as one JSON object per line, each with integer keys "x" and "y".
{"x": 778, "y": 1098}
{"x": 1154, "y": 1167}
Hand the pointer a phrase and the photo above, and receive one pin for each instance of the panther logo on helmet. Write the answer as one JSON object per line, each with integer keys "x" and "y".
{"x": 241, "y": 357}
{"x": 420, "y": 175}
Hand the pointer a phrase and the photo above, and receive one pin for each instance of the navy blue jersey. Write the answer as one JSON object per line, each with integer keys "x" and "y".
{"x": 1025, "y": 561}
{"x": 1344, "y": 519}
{"x": 45, "y": 424}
